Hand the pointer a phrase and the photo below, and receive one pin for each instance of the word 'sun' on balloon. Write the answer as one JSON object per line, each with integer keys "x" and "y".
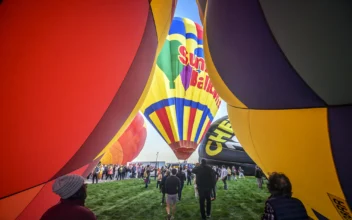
{"x": 73, "y": 74}
{"x": 182, "y": 101}
{"x": 129, "y": 145}
{"x": 284, "y": 69}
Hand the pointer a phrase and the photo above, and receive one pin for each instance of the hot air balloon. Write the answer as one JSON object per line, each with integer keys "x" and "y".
{"x": 68, "y": 84}
{"x": 182, "y": 101}
{"x": 284, "y": 68}
{"x": 129, "y": 145}
{"x": 220, "y": 146}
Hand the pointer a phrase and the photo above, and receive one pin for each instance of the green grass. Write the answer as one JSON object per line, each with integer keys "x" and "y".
{"x": 129, "y": 200}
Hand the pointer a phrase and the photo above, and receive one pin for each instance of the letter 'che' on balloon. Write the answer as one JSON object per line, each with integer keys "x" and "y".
{"x": 129, "y": 145}
{"x": 284, "y": 69}
{"x": 182, "y": 101}
{"x": 220, "y": 146}
{"x": 68, "y": 73}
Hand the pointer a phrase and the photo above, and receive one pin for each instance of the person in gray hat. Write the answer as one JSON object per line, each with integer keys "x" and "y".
{"x": 72, "y": 191}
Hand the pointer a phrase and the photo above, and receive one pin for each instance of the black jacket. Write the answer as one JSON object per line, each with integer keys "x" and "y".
{"x": 181, "y": 176}
{"x": 205, "y": 177}
{"x": 172, "y": 185}
{"x": 162, "y": 184}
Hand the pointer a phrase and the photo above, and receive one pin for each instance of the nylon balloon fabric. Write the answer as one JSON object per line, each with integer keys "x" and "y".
{"x": 220, "y": 145}
{"x": 284, "y": 70}
{"x": 182, "y": 102}
{"x": 129, "y": 145}
{"x": 69, "y": 85}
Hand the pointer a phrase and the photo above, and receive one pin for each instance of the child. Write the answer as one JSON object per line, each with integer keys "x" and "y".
{"x": 195, "y": 188}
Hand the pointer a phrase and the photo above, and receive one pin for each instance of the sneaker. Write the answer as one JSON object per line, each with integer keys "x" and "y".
{"x": 212, "y": 199}
{"x": 168, "y": 217}
{"x": 208, "y": 216}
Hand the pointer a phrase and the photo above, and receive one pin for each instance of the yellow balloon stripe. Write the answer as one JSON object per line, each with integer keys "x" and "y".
{"x": 203, "y": 129}
{"x": 171, "y": 114}
{"x": 197, "y": 118}
{"x": 156, "y": 121}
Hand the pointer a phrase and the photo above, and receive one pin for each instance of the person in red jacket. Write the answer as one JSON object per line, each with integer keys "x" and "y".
{"x": 73, "y": 193}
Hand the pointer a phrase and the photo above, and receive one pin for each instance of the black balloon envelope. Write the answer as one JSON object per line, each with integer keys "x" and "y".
{"x": 221, "y": 147}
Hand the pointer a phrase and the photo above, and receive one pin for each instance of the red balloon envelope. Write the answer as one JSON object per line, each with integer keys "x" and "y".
{"x": 71, "y": 74}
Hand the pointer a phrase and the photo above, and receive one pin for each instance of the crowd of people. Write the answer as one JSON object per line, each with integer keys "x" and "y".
{"x": 170, "y": 181}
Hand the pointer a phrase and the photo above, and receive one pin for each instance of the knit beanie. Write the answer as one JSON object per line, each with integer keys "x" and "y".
{"x": 66, "y": 186}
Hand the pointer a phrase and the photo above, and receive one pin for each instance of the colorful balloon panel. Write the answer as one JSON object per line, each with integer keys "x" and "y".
{"x": 286, "y": 78}
{"x": 68, "y": 80}
{"x": 129, "y": 145}
{"x": 181, "y": 102}
{"x": 220, "y": 145}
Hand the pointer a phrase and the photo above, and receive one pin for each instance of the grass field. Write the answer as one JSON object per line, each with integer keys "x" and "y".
{"x": 129, "y": 200}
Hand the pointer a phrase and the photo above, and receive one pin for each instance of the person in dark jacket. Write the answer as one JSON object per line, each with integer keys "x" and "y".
{"x": 172, "y": 188}
{"x": 205, "y": 179}
{"x": 281, "y": 204}
{"x": 182, "y": 176}
{"x": 72, "y": 190}
{"x": 162, "y": 186}
{"x": 213, "y": 191}
{"x": 189, "y": 176}
{"x": 259, "y": 176}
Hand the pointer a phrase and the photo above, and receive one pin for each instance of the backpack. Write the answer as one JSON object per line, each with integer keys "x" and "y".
{"x": 96, "y": 170}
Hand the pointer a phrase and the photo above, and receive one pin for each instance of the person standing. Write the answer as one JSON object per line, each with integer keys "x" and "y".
{"x": 160, "y": 177}
{"x": 259, "y": 176}
{"x": 162, "y": 186}
{"x": 224, "y": 176}
{"x": 182, "y": 177}
{"x": 155, "y": 173}
{"x": 172, "y": 188}
{"x": 96, "y": 172}
{"x": 281, "y": 204}
{"x": 213, "y": 191}
{"x": 147, "y": 176}
{"x": 240, "y": 172}
{"x": 234, "y": 172}
{"x": 228, "y": 173}
{"x": 205, "y": 180}
{"x": 189, "y": 176}
{"x": 73, "y": 193}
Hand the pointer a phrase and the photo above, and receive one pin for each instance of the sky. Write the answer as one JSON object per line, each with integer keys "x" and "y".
{"x": 155, "y": 143}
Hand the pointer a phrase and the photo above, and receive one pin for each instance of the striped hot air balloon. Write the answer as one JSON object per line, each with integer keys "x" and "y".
{"x": 182, "y": 102}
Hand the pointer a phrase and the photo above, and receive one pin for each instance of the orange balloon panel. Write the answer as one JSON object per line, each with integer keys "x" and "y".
{"x": 68, "y": 73}
{"x": 129, "y": 145}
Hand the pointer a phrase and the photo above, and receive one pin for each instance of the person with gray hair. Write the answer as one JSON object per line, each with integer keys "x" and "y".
{"x": 73, "y": 193}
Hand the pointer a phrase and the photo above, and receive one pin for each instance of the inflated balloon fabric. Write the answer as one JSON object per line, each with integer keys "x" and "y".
{"x": 284, "y": 68}
{"x": 220, "y": 145}
{"x": 129, "y": 145}
{"x": 72, "y": 73}
{"x": 182, "y": 102}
